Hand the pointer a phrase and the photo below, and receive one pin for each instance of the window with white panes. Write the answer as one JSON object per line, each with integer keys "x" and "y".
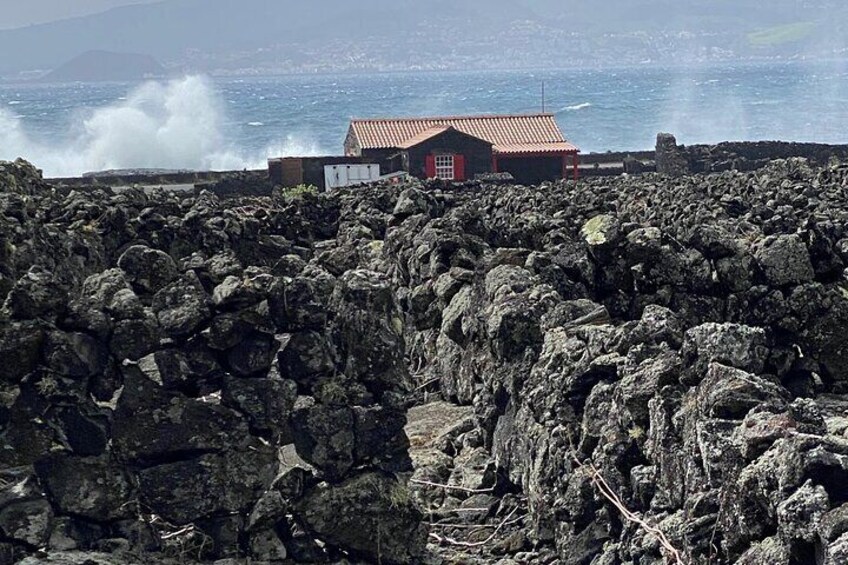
{"x": 444, "y": 167}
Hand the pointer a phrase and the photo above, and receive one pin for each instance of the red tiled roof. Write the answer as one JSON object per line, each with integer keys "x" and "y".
{"x": 518, "y": 148}
{"x": 424, "y": 136}
{"x": 521, "y": 133}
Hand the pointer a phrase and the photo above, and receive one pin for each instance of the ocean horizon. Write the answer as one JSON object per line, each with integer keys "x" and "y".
{"x": 205, "y": 123}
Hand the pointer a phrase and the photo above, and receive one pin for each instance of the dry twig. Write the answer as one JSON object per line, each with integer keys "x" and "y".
{"x": 606, "y": 490}
{"x": 451, "y": 541}
{"x": 186, "y": 530}
{"x": 472, "y": 526}
{"x": 449, "y": 487}
{"x": 427, "y": 383}
{"x": 460, "y": 510}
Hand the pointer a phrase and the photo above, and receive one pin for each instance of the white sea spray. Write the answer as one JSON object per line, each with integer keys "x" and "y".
{"x": 178, "y": 124}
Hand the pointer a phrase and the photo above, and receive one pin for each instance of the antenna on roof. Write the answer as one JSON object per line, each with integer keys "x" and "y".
{"x": 543, "y": 97}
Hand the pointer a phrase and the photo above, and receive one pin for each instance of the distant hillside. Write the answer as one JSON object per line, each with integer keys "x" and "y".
{"x": 331, "y": 35}
{"x": 95, "y": 66}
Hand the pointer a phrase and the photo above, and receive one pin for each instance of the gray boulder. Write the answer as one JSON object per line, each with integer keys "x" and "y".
{"x": 738, "y": 346}
{"x": 371, "y": 515}
{"x": 95, "y": 488}
{"x": 784, "y": 260}
{"x": 20, "y": 348}
{"x": 267, "y": 403}
{"x": 148, "y": 270}
{"x": 368, "y": 332}
{"x": 254, "y": 355}
{"x": 27, "y": 522}
{"x": 181, "y": 306}
{"x": 306, "y": 356}
{"x": 601, "y": 232}
{"x": 100, "y": 288}
{"x": 454, "y": 314}
{"x": 209, "y": 485}
{"x": 412, "y": 201}
{"x": 671, "y": 159}
{"x": 37, "y": 294}
{"x": 730, "y": 393}
{"x": 799, "y": 517}
{"x": 324, "y": 437}
{"x": 837, "y": 552}
{"x": 134, "y": 339}
{"x": 74, "y": 355}
{"x": 152, "y": 424}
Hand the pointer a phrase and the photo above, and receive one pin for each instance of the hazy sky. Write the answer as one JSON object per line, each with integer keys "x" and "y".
{"x": 20, "y": 13}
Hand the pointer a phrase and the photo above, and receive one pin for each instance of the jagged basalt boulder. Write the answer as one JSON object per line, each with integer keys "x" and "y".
{"x": 95, "y": 488}
{"x": 38, "y": 294}
{"x": 729, "y": 393}
{"x": 784, "y": 260}
{"x": 148, "y": 270}
{"x": 369, "y": 331}
{"x": 380, "y": 438}
{"x": 20, "y": 348}
{"x": 133, "y": 339}
{"x": 151, "y": 424}
{"x": 254, "y": 355}
{"x": 74, "y": 355}
{"x": 325, "y": 438}
{"x": 181, "y": 306}
{"x": 601, "y": 231}
{"x": 27, "y": 522}
{"x": 371, "y": 515}
{"x": 413, "y": 201}
{"x": 671, "y": 159}
{"x": 305, "y": 357}
{"x": 267, "y": 403}
{"x": 101, "y": 289}
{"x": 301, "y": 303}
{"x": 217, "y": 484}
{"x": 454, "y": 315}
{"x": 735, "y": 345}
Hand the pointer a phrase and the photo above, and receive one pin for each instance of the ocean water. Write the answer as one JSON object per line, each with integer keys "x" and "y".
{"x": 204, "y": 123}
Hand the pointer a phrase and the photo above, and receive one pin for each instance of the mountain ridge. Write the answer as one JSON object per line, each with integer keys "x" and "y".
{"x": 266, "y": 35}
{"x": 99, "y": 65}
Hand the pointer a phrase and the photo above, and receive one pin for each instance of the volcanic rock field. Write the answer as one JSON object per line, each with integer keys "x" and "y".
{"x": 634, "y": 370}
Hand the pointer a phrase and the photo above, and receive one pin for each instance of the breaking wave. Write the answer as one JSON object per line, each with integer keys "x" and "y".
{"x": 177, "y": 124}
{"x": 577, "y": 107}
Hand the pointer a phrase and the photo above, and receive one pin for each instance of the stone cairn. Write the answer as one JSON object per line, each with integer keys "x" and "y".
{"x": 670, "y": 158}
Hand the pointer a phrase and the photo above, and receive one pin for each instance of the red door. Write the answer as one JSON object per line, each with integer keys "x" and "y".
{"x": 459, "y": 167}
{"x": 430, "y": 166}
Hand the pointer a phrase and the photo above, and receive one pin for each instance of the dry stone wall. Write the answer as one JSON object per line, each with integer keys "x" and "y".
{"x": 676, "y": 160}
{"x": 682, "y": 337}
{"x": 232, "y": 379}
{"x": 158, "y": 361}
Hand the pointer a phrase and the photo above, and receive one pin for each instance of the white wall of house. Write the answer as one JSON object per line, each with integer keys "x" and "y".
{"x": 337, "y": 176}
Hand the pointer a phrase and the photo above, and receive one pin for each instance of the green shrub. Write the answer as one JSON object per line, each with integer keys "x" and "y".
{"x": 297, "y": 192}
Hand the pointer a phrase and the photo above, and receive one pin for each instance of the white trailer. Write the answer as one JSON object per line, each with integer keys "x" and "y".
{"x": 337, "y": 176}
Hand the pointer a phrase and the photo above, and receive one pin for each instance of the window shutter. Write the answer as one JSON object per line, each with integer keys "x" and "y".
{"x": 430, "y": 166}
{"x": 459, "y": 167}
